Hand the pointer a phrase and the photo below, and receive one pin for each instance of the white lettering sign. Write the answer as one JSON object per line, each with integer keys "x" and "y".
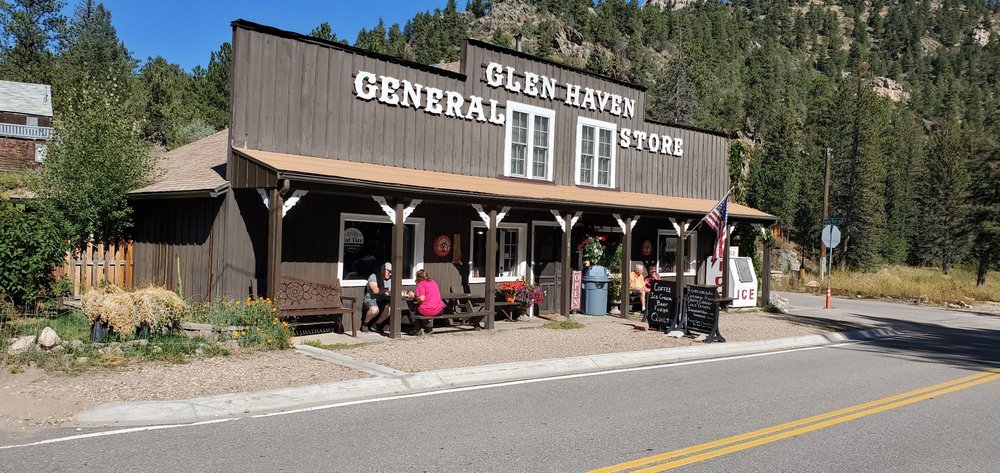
{"x": 403, "y": 93}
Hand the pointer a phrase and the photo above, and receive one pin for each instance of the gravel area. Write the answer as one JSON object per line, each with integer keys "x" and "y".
{"x": 36, "y": 398}
{"x": 599, "y": 335}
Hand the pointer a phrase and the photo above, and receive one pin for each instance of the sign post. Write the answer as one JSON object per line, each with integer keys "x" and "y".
{"x": 831, "y": 238}
{"x": 576, "y": 290}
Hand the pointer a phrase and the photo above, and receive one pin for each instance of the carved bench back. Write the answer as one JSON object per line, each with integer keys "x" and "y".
{"x": 297, "y": 292}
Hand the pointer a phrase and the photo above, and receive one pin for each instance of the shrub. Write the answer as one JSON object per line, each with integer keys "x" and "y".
{"x": 124, "y": 312}
{"x": 32, "y": 244}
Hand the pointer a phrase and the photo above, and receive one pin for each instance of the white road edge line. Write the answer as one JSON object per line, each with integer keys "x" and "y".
{"x": 423, "y": 394}
{"x": 116, "y": 432}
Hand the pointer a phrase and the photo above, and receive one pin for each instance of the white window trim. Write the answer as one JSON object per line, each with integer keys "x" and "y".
{"x": 598, "y": 124}
{"x": 522, "y": 257}
{"x": 418, "y": 246}
{"x": 690, "y": 252}
{"x": 531, "y": 110}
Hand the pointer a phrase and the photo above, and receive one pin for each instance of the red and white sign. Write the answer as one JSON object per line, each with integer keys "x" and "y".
{"x": 442, "y": 245}
{"x": 744, "y": 293}
{"x": 577, "y": 290}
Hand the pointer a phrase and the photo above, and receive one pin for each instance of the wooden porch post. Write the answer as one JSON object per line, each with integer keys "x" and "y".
{"x": 567, "y": 269}
{"x": 680, "y": 264}
{"x": 276, "y": 201}
{"x": 765, "y": 285}
{"x": 626, "y": 266}
{"x": 725, "y": 262}
{"x": 489, "y": 291}
{"x": 396, "y": 292}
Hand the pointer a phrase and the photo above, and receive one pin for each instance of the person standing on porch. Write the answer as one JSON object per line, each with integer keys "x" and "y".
{"x": 376, "y": 305}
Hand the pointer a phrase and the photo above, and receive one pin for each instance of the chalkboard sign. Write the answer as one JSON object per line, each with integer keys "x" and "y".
{"x": 661, "y": 305}
{"x": 701, "y": 305}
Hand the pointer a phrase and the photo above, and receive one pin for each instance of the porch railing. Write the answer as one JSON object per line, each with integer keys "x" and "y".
{"x": 25, "y": 131}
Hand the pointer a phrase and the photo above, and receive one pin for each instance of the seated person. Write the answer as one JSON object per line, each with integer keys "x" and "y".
{"x": 652, "y": 275}
{"x": 637, "y": 283}
{"x": 375, "y": 307}
{"x": 428, "y": 295}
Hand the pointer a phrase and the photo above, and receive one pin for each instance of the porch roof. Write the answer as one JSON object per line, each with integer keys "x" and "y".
{"x": 512, "y": 191}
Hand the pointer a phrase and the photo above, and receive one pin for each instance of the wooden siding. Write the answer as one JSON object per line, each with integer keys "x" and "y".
{"x": 294, "y": 96}
{"x": 200, "y": 243}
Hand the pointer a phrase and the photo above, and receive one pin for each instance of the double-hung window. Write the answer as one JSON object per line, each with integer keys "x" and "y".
{"x": 528, "y": 149}
{"x": 595, "y": 152}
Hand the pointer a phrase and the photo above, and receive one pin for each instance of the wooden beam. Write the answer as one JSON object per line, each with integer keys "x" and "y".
{"x": 680, "y": 266}
{"x": 491, "y": 267}
{"x": 765, "y": 285}
{"x": 396, "y": 292}
{"x": 276, "y": 202}
{"x": 566, "y": 281}
{"x": 626, "y": 266}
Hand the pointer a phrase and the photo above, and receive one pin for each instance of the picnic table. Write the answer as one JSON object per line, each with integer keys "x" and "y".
{"x": 457, "y": 306}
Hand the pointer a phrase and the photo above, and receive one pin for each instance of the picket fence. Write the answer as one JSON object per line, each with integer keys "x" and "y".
{"x": 98, "y": 264}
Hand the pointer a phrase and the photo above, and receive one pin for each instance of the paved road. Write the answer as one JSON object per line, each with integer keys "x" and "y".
{"x": 590, "y": 422}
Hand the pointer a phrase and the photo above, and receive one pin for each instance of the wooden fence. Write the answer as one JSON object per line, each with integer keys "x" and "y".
{"x": 98, "y": 264}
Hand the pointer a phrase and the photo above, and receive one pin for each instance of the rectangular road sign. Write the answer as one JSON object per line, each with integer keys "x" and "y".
{"x": 833, "y": 221}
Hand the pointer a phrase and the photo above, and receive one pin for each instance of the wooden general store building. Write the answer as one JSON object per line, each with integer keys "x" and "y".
{"x": 338, "y": 159}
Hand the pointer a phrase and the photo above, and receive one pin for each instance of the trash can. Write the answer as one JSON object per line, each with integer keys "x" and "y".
{"x": 595, "y": 290}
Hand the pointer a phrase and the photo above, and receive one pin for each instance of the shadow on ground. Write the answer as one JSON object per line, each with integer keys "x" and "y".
{"x": 822, "y": 323}
{"x": 970, "y": 348}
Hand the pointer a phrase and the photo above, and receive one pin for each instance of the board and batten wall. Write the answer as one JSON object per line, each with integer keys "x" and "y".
{"x": 295, "y": 95}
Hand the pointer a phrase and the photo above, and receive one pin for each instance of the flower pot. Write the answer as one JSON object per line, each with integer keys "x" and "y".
{"x": 100, "y": 332}
{"x": 509, "y": 298}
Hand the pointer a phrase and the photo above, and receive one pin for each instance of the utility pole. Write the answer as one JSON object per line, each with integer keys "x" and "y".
{"x": 826, "y": 214}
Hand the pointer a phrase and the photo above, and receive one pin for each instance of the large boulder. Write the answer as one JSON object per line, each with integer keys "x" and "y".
{"x": 49, "y": 339}
{"x": 779, "y": 303}
{"x": 21, "y": 345}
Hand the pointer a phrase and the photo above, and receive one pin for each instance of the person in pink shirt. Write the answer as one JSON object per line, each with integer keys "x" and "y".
{"x": 428, "y": 295}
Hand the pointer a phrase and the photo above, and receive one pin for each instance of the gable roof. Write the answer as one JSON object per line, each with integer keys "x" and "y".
{"x": 22, "y": 97}
{"x": 196, "y": 169}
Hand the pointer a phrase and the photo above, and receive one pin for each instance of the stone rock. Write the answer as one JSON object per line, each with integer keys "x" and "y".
{"x": 138, "y": 343}
{"x": 813, "y": 284}
{"x": 48, "y": 339}
{"x": 111, "y": 351}
{"x": 56, "y": 349}
{"x": 788, "y": 260}
{"x": 890, "y": 89}
{"x": 155, "y": 349}
{"x": 981, "y": 36}
{"x": 76, "y": 344}
{"x": 82, "y": 360}
{"x": 21, "y": 345}
{"x": 779, "y": 303}
{"x": 233, "y": 346}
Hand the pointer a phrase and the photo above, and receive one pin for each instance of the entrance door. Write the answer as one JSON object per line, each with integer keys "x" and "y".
{"x": 545, "y": 262}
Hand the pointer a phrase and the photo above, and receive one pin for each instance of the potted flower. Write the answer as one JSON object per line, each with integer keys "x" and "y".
{"x": 530, "y": 295}
{"x": 592, "y": 248}
{"x": 508, "y": 290}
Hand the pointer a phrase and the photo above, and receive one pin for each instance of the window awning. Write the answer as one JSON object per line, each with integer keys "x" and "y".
{"x": 511, "y": 191}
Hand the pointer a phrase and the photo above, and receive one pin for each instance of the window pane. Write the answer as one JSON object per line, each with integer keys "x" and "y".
{"x": 519, "y": 143}
{"x": 507, "y": 253}
{"x": 604, "y": 171}
{"x": 667, "y": 253}
{"x": 587, "y": 155}
{"x": 367, "y": 245}
{"x": 541, "y": 148}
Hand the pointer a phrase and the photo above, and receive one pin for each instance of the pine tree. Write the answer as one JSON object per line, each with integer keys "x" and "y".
{"x": 30, "y": 29}
{"x": 943, "y": 197}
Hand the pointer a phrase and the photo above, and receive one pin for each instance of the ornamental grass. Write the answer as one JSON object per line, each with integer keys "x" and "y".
{"x": 152, "y": 307}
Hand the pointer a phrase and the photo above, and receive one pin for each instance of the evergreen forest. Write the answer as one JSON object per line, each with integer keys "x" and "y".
{"x": 905, "y": 95}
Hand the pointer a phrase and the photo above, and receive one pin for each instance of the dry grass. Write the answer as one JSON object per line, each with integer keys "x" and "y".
{"x": 916, "y": 284}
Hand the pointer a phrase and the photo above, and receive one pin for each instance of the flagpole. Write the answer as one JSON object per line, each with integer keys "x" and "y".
{"x": 728, "y": 193}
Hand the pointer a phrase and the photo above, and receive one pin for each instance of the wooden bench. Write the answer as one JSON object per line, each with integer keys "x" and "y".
{"x": 304, "y": 301}
{"x": 457, "y": 307}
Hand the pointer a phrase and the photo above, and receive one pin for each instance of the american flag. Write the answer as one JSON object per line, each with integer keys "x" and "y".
{"x": 717, "y": 220}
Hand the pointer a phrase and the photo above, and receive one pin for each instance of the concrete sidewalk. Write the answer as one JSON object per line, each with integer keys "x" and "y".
{"x": 401, "y": 383}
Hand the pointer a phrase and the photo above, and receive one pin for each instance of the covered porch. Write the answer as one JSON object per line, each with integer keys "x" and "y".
{"x": 496, "y": 229}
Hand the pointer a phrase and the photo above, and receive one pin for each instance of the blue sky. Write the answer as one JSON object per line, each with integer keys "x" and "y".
{"x": 187, "y": 31}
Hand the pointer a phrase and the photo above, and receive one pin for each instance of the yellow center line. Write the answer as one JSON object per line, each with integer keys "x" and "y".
{"x": 810, "y": 428}
{"x": 777, "y": 428}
